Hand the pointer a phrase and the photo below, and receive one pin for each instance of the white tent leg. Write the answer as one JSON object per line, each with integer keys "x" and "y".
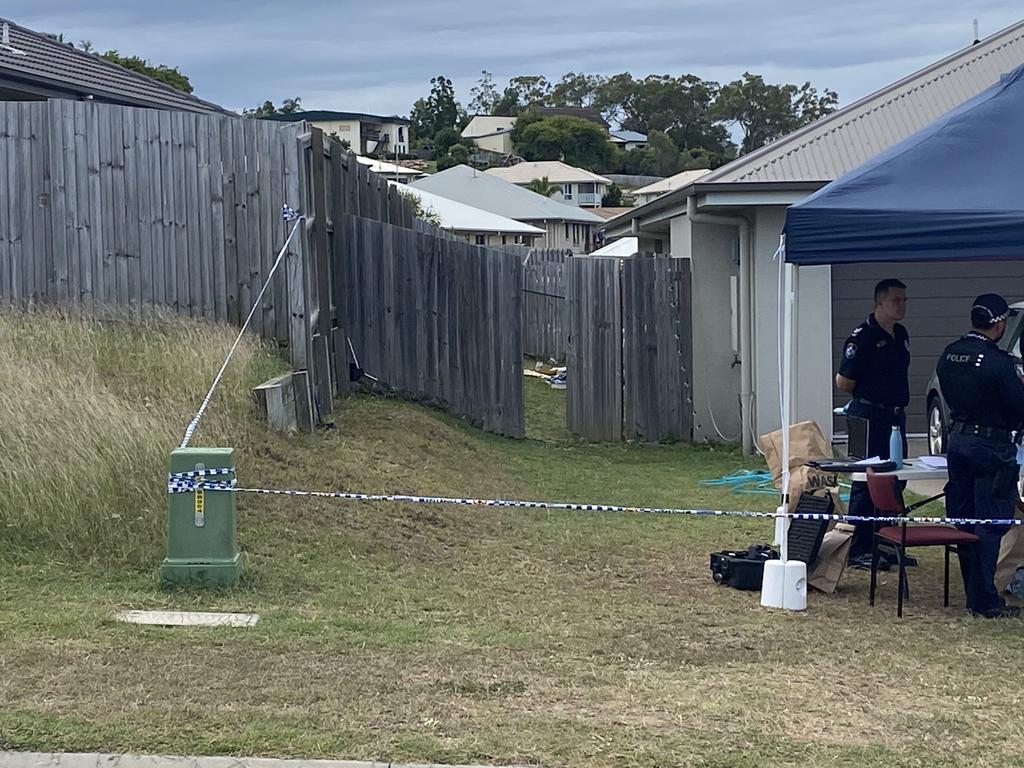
{"x": 784, "y": 584}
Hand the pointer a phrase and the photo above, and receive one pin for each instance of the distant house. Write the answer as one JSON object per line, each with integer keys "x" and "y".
{"x": 491, "y": 133}
{"x": 383, "y": 135}
{"x": 577, "y": 186}
{"x": 627, "y": 140}
{"x": 644, "y": 195}
{"x": 475, "y": 225}
{"x": 36, "y": 67}
{"x": 564, "y": 226}
{"x": 391, "y": 171}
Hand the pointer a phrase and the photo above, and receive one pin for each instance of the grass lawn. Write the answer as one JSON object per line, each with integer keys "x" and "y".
{"x": 415, "y": 633}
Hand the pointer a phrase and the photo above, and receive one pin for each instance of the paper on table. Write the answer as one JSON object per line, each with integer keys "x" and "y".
{"x": 871, "y": 461}
{"x": 933, "y": 462}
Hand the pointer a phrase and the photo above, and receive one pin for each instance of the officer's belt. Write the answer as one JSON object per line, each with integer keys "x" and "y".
{"x": 981, "y": 430}
{"x": 896, "y": 410}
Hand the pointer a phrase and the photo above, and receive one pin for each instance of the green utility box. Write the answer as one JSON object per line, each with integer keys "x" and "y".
{"x": 202, "y": 546}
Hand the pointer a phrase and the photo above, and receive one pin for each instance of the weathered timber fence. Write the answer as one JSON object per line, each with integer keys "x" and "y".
{"x": 107, "y": 205}
{"x": 544, "y": 306}
{"x": 629, "y": 349}
{"x": 437, "y": 319}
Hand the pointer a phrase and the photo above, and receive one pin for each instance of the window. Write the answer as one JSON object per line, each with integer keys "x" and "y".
{"x": 566, "y": 230}
{"x": 504, "y": 241}
{"x": 567, "y": 191}
{"x": 575, "y": 233}
{"x": 587, "y": 186}
{"x": 401, "y": 134}
{"x": 481, "y": 239}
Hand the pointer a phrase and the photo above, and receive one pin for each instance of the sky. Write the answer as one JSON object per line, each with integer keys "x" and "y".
{"x": 379, "y": 57}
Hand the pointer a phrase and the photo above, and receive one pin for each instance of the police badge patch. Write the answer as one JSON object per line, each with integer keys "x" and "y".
{"x": 851, "y": 351}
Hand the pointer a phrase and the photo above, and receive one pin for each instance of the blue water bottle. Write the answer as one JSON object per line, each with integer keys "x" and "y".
{"x": 896, "y": 447}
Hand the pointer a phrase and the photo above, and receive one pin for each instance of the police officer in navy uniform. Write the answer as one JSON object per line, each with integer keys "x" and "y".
{"x": 986, "y": 400}
{"x": 875, "y": 361}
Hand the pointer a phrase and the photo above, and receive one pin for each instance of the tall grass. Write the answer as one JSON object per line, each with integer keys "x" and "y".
{"x": 90, "y": 409}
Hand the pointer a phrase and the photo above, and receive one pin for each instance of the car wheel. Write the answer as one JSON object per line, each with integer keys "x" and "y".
{"x": 936, "y": 429}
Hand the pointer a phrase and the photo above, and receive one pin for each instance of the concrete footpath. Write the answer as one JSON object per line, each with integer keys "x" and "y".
{"x": 99, "y": 760}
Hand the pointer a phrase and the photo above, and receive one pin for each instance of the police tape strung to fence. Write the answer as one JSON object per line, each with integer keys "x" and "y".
{"x": 288, "y": 214}
{"x": 193, "y": 481}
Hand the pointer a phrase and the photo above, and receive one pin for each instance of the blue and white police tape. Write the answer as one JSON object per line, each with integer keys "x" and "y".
{"x": 188, "y": 482}
{"x": 288, "y": 214}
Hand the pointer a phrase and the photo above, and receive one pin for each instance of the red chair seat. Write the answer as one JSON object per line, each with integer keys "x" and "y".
{"x": 926, "y": 535}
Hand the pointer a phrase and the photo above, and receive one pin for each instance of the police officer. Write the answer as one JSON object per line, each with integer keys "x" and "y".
{"x": 986, "y": 400}
{"x": 875, "y": 361}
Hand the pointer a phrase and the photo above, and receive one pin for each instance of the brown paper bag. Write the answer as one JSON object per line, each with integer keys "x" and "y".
{"x": 806, "y": 441}
{"x": 826, "y": 571}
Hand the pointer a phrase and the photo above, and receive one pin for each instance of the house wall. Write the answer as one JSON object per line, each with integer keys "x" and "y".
{"x": 578, "y": 198}
{"x": 500, "y": 142}
{"x": 813, "y": 359}
{"x": 351, "y": 131}
{"x": 580, "y": 238}
{"x": 492, "y": 239}
{"x": 715, "y": 379}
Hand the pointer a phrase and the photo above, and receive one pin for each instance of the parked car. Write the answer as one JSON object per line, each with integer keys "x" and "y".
{"x": 939, "y": 420}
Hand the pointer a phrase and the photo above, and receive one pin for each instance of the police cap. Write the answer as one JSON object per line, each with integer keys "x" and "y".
{"x": 988, "y": 309}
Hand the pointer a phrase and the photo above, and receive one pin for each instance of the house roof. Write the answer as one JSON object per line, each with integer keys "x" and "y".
{"x": 556, "y": 172}
{"x": 487, "y": 125}
{"x": 609, "y": 212}
{"x": 627, "y": 136}
{"x": 624, "y": 246}
{"x": 827, "y": 148}
{"x": 837, "y": 143}
{"x": 390, "y": 169}
{"x": 483, "y": 190}
{"x": 62, "y": 70}
{"x": 459, "y": 217}
{"x": 320, "y": 115}
{"x": 672, "y": 182}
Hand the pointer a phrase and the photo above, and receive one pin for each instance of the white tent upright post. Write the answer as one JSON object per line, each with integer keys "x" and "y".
{"x": 784, "y": 584}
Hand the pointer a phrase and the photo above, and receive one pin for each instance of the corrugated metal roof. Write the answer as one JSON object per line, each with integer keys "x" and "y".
{"x": 556, "y": 172}
{"x": 482, "y": 190}
{"x": 672, "y": 182}
{"x": 318, "y": 115}
{"x": 828, "y": 148}
{"x": 459, "y": 217}
{"x": 61, "y": 67}
{"x": 628, "y": 136}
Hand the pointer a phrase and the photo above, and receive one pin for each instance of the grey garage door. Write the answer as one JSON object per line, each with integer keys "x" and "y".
{"x": 938, "y": 311}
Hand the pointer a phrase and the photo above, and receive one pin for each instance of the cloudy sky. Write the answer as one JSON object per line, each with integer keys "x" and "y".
{"x": 379, "y": 56}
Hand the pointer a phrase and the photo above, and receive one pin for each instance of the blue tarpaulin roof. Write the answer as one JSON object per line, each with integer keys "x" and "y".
{"x": 952, "y": 191}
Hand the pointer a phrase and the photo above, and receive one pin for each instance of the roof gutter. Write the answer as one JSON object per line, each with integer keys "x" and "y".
{"x": 745, "y": 320}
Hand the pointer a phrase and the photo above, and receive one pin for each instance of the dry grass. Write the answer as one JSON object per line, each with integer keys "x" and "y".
{"x": 462, "y": 635}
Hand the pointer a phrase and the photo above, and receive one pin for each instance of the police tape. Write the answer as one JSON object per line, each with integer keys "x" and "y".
{"x": 190, "y": 482}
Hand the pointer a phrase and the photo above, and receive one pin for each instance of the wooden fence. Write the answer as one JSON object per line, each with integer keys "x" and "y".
{"x": 629, "y": 349}
{"x": 544, "y": 306}
{"x": 107, "y": 205}
{"x": 437, "y": 319}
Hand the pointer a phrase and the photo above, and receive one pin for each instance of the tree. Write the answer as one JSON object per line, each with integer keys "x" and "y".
{"x": 437, "y": 111}
{"x": 458, "y": 154}
{"x": 267, "y": 108}
{"x": 575, "y": 90}
{"x": 484, "y": 96}
{"x": 573, "y": 140}
{"x": 765, "y": 112}
{"x": 543, "y": 186}
{"x": 663, "y": 154}
{"x": 167, "y": 75}
{"x": 444, "y": 140}
{"x": 613, "y": 197}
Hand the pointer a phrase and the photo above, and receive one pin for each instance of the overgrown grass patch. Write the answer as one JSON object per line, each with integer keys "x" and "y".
{"x": 414, "y": 633}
